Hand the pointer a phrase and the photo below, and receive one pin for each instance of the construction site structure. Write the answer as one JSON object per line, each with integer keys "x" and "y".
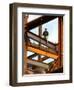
{"x": 43, "y": 48}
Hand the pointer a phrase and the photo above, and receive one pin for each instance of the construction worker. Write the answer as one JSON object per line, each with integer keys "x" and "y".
{"x": 45, "y": 34}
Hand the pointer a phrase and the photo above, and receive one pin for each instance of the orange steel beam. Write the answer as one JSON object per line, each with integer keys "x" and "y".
{"x": 41, "y": 52}
{"x": 43, "y": 48}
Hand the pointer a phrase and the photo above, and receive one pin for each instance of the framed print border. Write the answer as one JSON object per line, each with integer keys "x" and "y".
{"x": 13, "y": 43}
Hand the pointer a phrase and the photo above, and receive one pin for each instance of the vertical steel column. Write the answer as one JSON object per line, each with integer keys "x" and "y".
{"x": 60, "y": 39}
{"x": 40, "y": 34}
{"x": 25, "y": 44}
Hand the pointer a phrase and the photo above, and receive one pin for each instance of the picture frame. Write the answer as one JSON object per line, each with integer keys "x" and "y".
{"x": 43, "y": 14}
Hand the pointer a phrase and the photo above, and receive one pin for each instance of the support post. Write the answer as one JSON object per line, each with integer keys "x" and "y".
{"x": 25, "y": 44}
{"x": 60, "y": 39}
{"x": 40, "y": 34}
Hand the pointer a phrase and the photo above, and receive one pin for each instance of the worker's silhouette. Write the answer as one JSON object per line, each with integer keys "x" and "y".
{"x": 45, "y": 34}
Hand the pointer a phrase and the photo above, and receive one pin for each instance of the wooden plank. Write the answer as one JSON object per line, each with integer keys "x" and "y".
{"x": 39, "y": 21}
{"x": 41, "y": 52}
{"x": 41, "y": 40}
{"x": 39, "y": 64}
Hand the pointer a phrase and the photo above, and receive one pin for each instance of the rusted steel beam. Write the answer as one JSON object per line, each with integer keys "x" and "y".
{"x": 60, "y": 39}
{"x": 42, "y": 52}
{"x": 25, "y": 50}
{"x": 58, "y": 70}
{"x": 39, "y": 64}
{"x": 41, "y": 40}
{"x": 39, "y": 21}
{"x": 54, "y": 65}
{"x": 42, "y": 59}
{"x": 33, "y": 55}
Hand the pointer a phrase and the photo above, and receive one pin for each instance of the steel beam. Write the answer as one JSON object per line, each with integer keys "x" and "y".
{"x": 41, "y": 40}
{"x": 39, "y": 21}
{"x": 43, "y": 48}
{"x": 42, "y": 52}
{"x": 33, "y": 55}
{"x": 39, "y": 64}
{"x": 42, "y": 59}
